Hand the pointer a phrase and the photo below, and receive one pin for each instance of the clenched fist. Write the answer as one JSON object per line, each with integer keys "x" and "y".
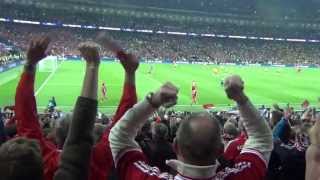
{"x": 37, "y": 49}
{"x": 234, "y": 86}
{"x": 166, "y": 96}
{"x": 130, "y": 64}
{"x": 90, "y": 52}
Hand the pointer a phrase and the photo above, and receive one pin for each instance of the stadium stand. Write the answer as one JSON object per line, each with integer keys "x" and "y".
{"x": 172, "y": 47}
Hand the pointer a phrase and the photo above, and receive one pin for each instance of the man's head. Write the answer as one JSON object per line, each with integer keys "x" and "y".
{"x": 198, "y": 140}
{"x": 159, "y": 131}
{"x": 230, "y": 131}
{"x": 20, "y": 159}
{"x": 62, "y": 129}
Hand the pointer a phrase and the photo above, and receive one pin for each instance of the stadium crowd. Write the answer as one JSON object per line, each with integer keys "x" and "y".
{"x": 172, "y": 47}
{"x": 281, "y": 26}
{"x": 9, "y": 53}
{"x": 136, "y": 144}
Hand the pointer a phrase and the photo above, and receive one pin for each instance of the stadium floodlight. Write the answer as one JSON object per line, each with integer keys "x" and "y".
{"x": 221, "y": 35}
{"x": 25, "y": 22}
{"x": 89, "y": 27}
{"x": 266, "y": 38}
{"x": 128, "y": 29}
{"x": 71, "y": 25}
{"x": 4, "y": 20}
{"x": 48, "y": 24}
{"x": 144, "y": 30}
{"x": 160, "y": 32}
{"x": 297, "y": 40}
{"x": 177, "y": 33}
{"x": 313, "y": 40}
{"x": 252, "y": 37}
{"x": 109, "y": 28}
{"x": 237, "y": 37}
{"x": 208, "y": 35}
{"x": 193, "y": 34}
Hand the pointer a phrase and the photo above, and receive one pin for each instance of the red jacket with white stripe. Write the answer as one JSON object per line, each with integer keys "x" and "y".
{"x": 131, "y": 163}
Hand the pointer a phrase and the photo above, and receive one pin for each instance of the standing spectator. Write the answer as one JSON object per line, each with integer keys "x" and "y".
{"x": 198, "y": 141}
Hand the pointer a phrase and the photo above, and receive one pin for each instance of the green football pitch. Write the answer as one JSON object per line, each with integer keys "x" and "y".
{"x": 264, "y": 85}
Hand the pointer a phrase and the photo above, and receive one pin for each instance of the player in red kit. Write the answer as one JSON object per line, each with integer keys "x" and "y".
{"x": 104, "y": 92}
{"x": 194, "y": 93}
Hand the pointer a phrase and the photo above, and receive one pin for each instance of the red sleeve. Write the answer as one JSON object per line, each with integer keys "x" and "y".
{"x": 101, "y": 159}
{"x": 129, "y": 98}
{"x": 234, "y": 148}
{"x": 249, "y": 165}
{"x": 133, "y": 165}
{"x": 26, "y": 111}
{"x": 28, "y": 124}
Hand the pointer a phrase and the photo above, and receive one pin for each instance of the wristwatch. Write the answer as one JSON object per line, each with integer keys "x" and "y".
{"x": 149, "y": 99}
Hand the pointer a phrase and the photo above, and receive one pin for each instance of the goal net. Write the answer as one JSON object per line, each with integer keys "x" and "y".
{"x": 49, "y": 64}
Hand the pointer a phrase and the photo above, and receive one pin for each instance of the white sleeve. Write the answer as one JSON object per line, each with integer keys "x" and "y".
{"x": 259, "y": 132}
{"x": 122, "y": 135}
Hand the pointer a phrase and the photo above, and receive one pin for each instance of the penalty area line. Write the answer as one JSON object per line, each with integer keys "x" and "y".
{"x": 45, "y": 82}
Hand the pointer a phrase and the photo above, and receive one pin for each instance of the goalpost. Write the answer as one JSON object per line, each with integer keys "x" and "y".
{"x": 49, "y": 64}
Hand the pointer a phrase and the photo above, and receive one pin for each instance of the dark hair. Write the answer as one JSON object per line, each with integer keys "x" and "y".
{"x": 20, "y": 158}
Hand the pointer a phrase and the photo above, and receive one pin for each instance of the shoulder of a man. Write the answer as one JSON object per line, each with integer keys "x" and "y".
{"x": 249, "y": 165}
{"x": 132, "y": 164}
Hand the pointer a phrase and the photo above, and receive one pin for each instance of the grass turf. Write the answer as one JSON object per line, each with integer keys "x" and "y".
{"x": 264, "y": 85}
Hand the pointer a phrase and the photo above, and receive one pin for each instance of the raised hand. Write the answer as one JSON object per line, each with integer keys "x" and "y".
{"x": 166, "y": 96}
{"x": 129, "y": 61}
{"x": 130, "y": 64}
{"x": 234, "y": 86}
{"x": 37, "y": 49}
{"x": 90, "y": 52}
{"x": 108, "y": 43}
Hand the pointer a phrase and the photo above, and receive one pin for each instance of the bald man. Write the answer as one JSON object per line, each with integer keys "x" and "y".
{"x": 198, "y": 143}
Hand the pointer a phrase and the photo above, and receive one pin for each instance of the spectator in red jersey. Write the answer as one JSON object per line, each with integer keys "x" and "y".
{"x": 28, "y": 126}
{"x": 234, "y": 147}
{"x": 198, "y": 141}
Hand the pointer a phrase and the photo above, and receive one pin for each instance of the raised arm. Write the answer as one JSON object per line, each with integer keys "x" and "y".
{"x": 130, "y": 64}
{"x": 101, "y": 160}
{"x": 25, "y": 105}
{"x": 313, "y": 153}
{"x": 123, "y": 133}
{"x": 258, "y": 131}
{"x": 77, "y": 148}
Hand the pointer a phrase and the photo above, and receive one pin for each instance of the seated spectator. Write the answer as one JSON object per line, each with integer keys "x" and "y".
{"x": 198, "y": 140}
